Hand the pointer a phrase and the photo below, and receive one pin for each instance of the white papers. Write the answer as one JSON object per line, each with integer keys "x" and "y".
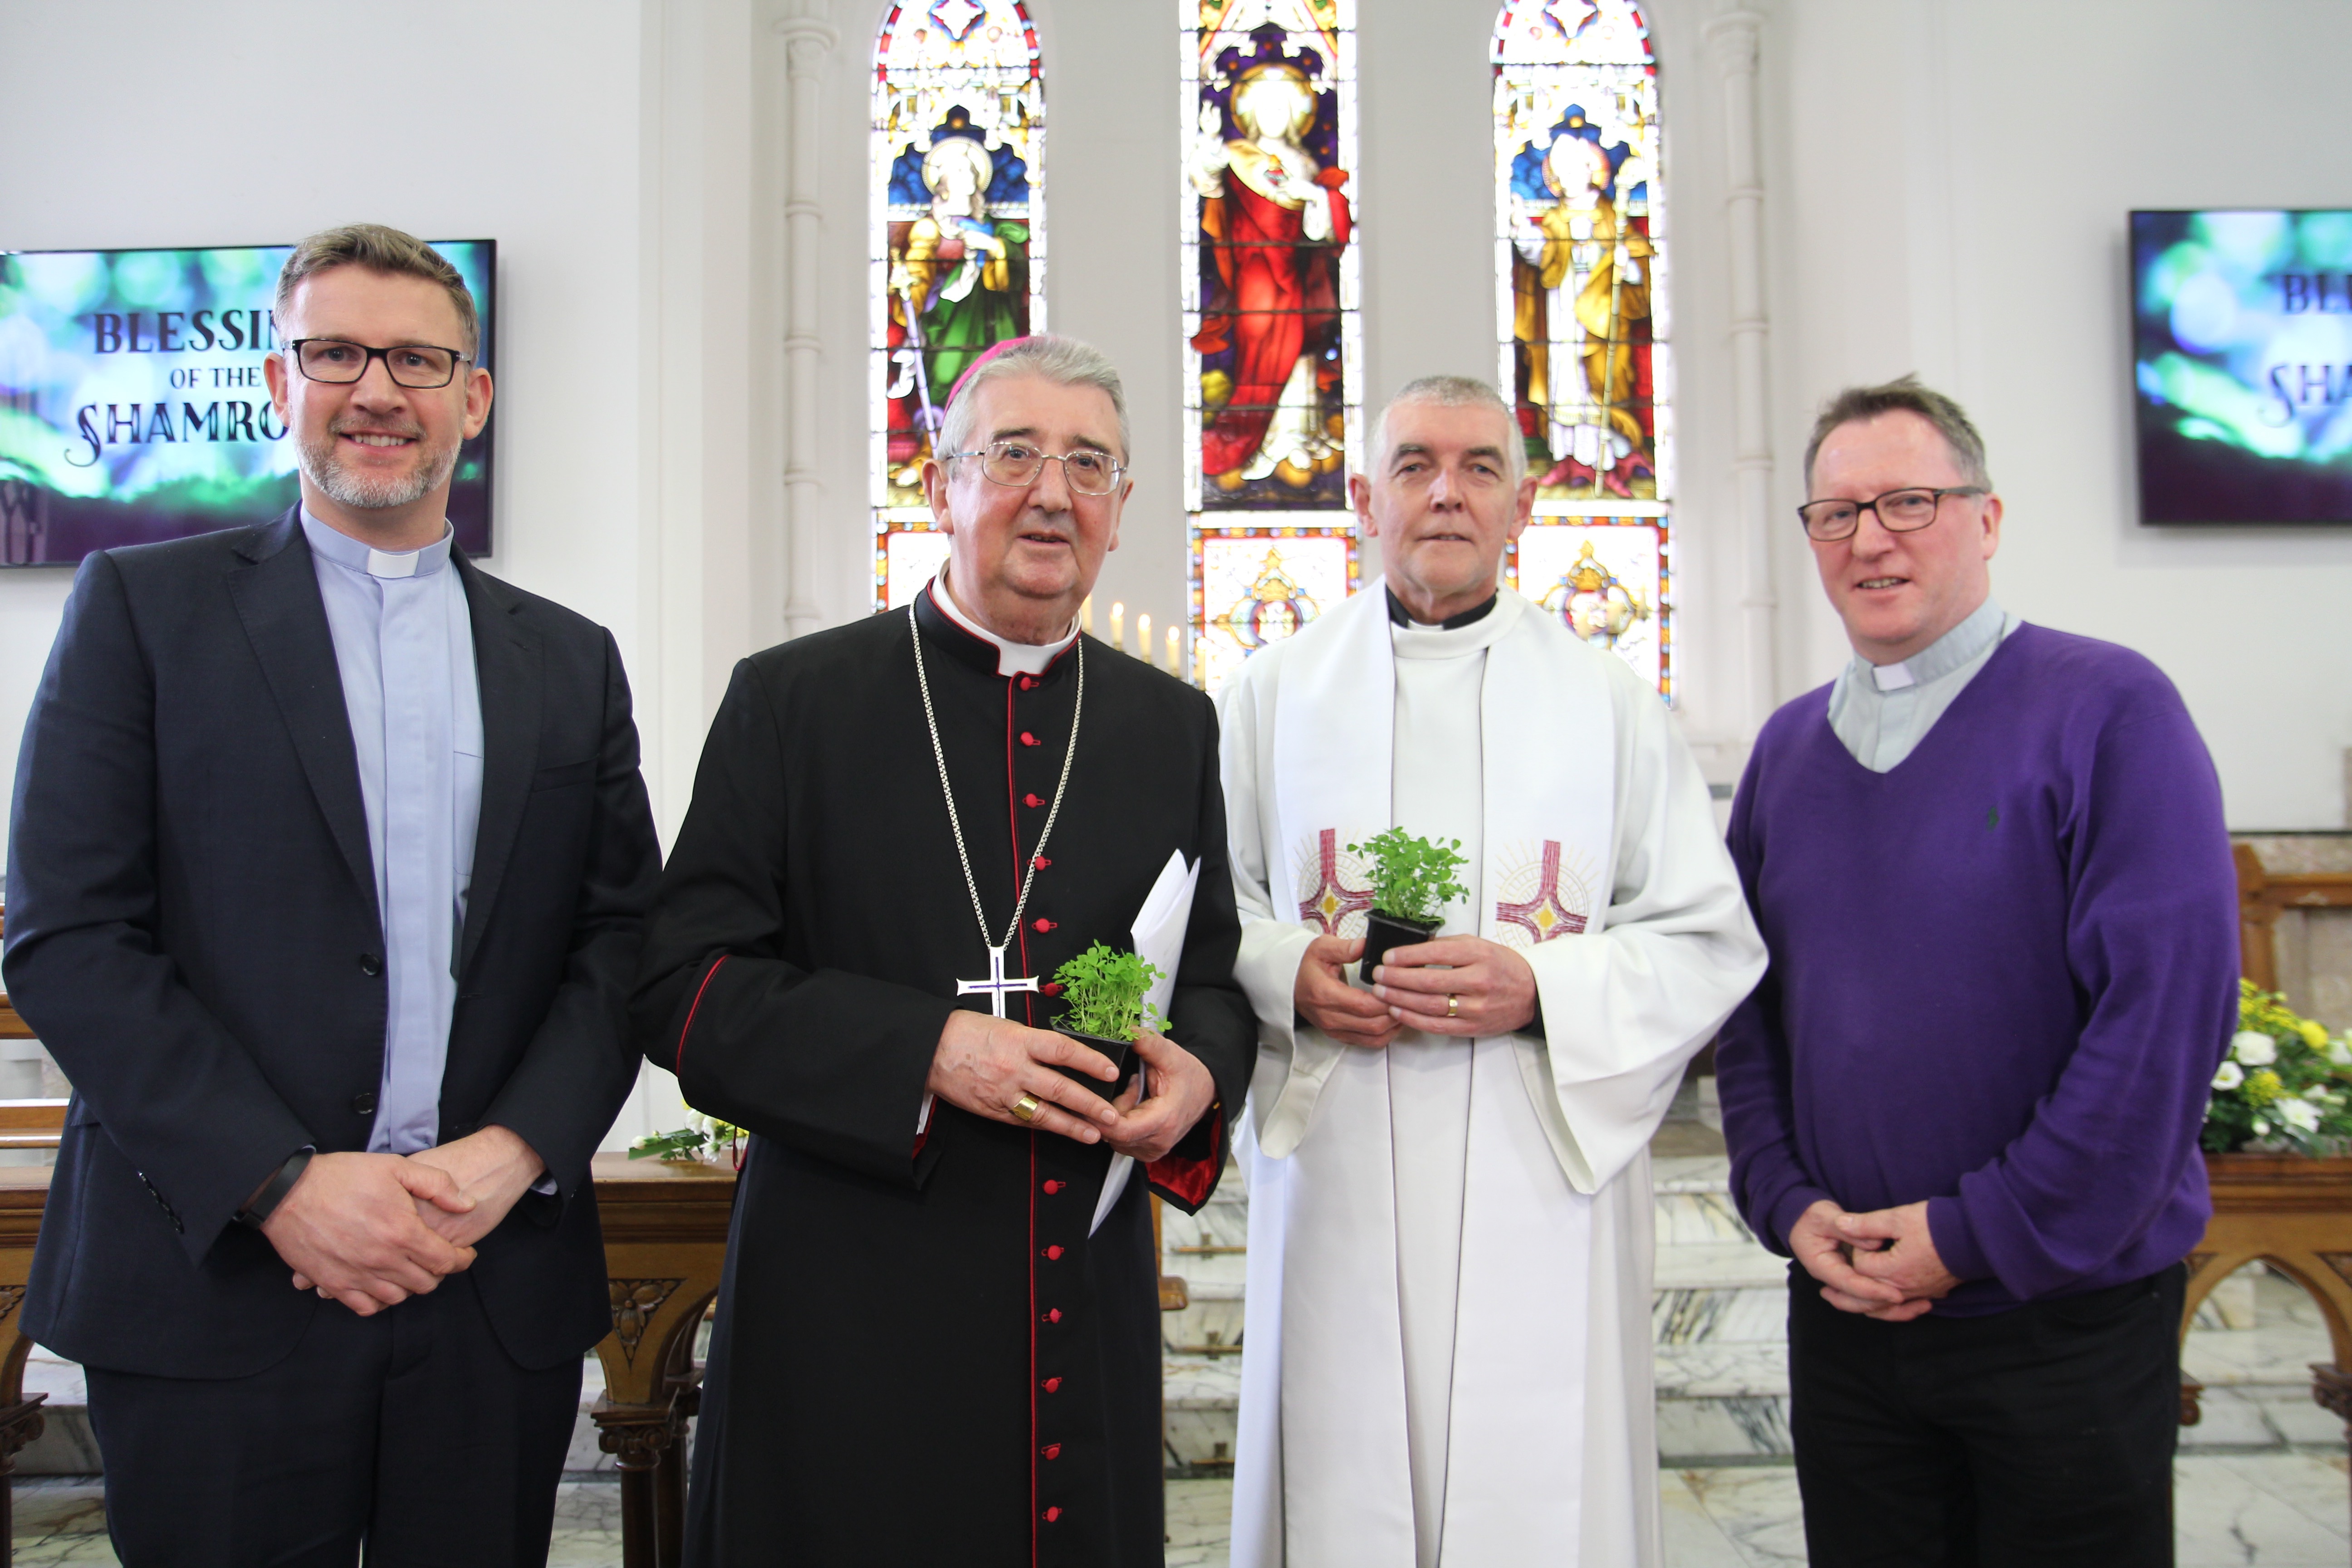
{"x": 1158, "y": 931}
{"x": 1158, "y": 938}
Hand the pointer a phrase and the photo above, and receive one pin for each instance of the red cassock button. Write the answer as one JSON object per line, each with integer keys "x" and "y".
{"x": 1054, "y": 1253}
{"x": 1033, "y": 800}
{"x": 1052, "y": 1450}
{"x": 1054, "y": 1316}
{"x": 1040, "y": 862}
{"x": 1051, "y": 1514}
{"x": 1052, "y": 1384}
{"x": 1027, "y": 738}
{"x": 1041, "y": 923}
{"x": 1052, "y": 988}
{"x": 1052, "y": 1187}
{"x": 1026, "y": 683}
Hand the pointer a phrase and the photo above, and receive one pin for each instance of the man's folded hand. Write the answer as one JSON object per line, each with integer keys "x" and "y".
{"x": 349, "y": 1229}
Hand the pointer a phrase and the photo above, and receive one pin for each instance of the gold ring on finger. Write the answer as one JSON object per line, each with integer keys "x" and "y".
{"x": 1026, "y": 1108}
{"x": 1453, "y": 1006}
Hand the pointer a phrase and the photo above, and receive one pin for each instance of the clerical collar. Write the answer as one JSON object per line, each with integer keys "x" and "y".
{"x": 346, "y": 551}
{"x": 1947, "y": 653}
{"x": 1399, "y": 615}
{"x": 1011, "y": 658}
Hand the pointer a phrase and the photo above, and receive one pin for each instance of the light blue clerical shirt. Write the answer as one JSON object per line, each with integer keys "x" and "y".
{"x": 406, "y": 649}
{"x": 1880, "y": 711}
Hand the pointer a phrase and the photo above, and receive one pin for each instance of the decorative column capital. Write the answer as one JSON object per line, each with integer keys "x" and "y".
{"x": 1732, "y": 41}
{"x": 808, "y": 39}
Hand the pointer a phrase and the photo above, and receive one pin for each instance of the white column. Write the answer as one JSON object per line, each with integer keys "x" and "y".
{"x": 1732, "y": 41}
{"x": 809, "y": 38}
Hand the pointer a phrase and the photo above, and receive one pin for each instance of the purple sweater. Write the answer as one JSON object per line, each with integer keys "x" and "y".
{"x": 2002, "y": 974}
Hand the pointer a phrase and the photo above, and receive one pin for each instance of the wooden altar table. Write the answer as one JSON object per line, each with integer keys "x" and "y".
{"x": 665, "y": 1243}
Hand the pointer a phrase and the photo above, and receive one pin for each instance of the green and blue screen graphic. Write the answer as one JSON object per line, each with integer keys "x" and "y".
{"x": 132, "y": 407}
{"x": 2242, "y": 366}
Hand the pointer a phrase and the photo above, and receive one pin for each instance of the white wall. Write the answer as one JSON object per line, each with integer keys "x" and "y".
{"x": 1945, "y": 191}
{"x": 1948, "y": 195}
{"x": 242, "y": 121}
{"x": 236, "y": 123}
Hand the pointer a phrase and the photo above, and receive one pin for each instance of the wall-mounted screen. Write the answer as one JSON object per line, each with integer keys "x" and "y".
{"x": 2243, "y": 360}
{"x": 132, "y": 407}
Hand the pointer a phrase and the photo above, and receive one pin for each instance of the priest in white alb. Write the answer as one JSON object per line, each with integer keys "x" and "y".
{"x": 1447, "y": 1343}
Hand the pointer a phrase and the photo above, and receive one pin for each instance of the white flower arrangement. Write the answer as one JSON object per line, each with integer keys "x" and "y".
{"x": 2283, "y": 1086}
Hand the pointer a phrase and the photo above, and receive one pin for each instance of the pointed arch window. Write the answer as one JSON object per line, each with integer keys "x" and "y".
{"x": 1273, "y": 340}
{"x": 958, "y": 248}
{"x": 1582, "y": 259}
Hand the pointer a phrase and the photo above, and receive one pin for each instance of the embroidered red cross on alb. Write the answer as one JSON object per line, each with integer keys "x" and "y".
{"x": 1544, "y": 916}
{"x": 1331, "y": 901}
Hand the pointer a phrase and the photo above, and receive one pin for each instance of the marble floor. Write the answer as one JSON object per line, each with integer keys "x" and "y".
{"x": 2276, "y": 1509}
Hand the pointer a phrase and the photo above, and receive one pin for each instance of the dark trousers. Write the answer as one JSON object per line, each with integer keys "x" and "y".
{"x": 411, "y": 1431}
{"x": 2040, "y": 1436}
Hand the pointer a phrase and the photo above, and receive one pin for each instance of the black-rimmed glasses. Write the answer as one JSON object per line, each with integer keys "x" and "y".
{"x": 420, "y": 367}
{"x": 1017, "y": 464}
{"x": 1899, "y": 512}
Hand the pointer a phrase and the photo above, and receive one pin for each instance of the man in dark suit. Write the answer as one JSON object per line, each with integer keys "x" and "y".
{"x": 326, "y": 879}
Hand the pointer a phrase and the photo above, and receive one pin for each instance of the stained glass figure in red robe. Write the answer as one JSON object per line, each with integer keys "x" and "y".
{"x": 1273, "y": 218}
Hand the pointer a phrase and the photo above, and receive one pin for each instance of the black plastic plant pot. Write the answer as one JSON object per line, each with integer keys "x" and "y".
{"x": 1383, "y": 932}
{"x": 1123, "y": 1056}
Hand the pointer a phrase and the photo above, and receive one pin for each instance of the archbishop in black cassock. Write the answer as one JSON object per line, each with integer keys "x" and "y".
{"x": 921, "y": 1356}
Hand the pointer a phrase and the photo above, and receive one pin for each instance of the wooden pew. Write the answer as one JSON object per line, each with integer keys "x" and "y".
{"x": 2263, "y": 896}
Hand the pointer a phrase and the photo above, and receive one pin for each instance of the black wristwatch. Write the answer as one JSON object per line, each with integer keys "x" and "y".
{"x": 265, "y": 1202}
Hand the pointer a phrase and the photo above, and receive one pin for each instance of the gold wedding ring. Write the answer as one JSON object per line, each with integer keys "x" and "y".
{"x": 1026, "y": 1108}
{"x": 1453, "y": 1006}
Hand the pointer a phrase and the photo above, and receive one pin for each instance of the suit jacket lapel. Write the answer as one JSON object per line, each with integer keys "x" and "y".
{"x": 507, "y": 668}
{"x": 276, "y": 596}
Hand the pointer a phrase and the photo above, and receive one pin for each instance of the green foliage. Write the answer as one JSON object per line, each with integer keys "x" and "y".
{"x": 1413, "y": 879}
{"x": 2284, "y": 1088}
{"x": 703, "y": 1141}
{"x": 1103, "y": 990}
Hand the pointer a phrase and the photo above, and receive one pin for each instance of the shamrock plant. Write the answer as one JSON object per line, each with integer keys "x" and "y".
{"x": 2284, "y": 1088}
{"x": 703, "y": 1141}
{"x": 1103, "y": 990}
{"x": 1413, "y": 879}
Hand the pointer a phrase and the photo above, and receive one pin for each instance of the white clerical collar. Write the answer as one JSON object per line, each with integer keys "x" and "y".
{"x": 1418, "y": 640}
{"x": 1011, "y": 658}
{"x": 1947, "y": 653}
{"x": 346, "y": 551}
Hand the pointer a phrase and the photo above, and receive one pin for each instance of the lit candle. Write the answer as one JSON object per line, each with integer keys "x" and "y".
{"x": 1176, "y": 652}
{"x": 1087, "y": 615}
{"x": 1119, "y": 625}
{"x": 1143, "y": 638}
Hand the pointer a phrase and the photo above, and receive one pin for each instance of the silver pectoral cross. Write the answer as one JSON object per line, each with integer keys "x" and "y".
{"x": 996, "y": 985}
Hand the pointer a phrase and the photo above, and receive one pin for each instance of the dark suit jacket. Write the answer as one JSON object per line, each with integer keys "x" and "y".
{"x": 193, "y": 933}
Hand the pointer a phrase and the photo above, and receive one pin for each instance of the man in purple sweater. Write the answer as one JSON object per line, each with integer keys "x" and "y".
{"x": 1990, "y": 864}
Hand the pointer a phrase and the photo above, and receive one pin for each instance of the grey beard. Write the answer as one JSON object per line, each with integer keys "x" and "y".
{"x": 323, "y": 468}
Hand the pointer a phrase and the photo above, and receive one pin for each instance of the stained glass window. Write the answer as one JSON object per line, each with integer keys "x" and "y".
{"x": 959, "y": 240}
{"x": 1273, "y": 340}
{"x": 1582, "y": 259}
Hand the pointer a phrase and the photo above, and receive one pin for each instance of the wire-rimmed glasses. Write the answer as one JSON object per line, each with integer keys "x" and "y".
{"x": 420, "y": 367}
{"x": 1017, "y": 464}
{"x": 1899, "y": 512}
